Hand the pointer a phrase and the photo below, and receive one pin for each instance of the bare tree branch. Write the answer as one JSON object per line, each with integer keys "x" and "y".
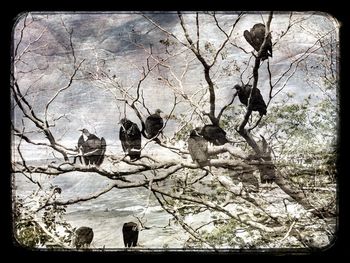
{"x": 228, "y": 36}
{"x": 219, "y": 208}
{"x": 162, "y": 29}
{"x": 80, "y": 199}
{"x": 61, "y": 90}
{"x": 70, "y": 33}
{"x": 185, "y": 226}
{"x": 224, "y": 174}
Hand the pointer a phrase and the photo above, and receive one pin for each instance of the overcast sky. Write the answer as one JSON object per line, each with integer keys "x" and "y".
{"x": 113, "y": 47}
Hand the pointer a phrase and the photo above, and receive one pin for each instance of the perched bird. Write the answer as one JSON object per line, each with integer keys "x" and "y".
{"x": 130, "y": 234}
{"x": 154, "y": 123}
{"x": 83, "y": 237}
{"x": 257, "y": 101}
{"x": 92, "y": 148}
{"x": 198, "y": 148}
{"x": 130, "y": 137}
{"x": 214, "y": 134}
{"x": 256, "y": 37}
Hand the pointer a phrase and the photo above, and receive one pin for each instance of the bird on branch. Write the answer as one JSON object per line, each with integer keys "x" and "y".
{"x": 257, "y": 102}
{"x": 130, "y": 137}
{"x": 214, "y": 134}
{"x": 92, "y": 148}
{"x": 256, "y": 38}
{"x": 154, "y": 123}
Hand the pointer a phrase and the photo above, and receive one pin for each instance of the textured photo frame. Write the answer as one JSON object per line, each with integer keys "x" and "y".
{"x": 175, "y": 131}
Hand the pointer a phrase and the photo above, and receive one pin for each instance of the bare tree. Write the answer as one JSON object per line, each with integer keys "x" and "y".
{"x": 231, "y": 188}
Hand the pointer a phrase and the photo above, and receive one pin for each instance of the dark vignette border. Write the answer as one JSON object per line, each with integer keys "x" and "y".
{"x": 10, "y": 15}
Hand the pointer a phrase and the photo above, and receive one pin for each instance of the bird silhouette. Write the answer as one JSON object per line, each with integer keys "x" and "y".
{"x": 83, "y": 237}
{"x": 214, "y": 134}
{"x": 154, "y": 123}
{"x": 130, "y": 137}
{"x": 93, "y": 149}
{"x": 130, "y": 234}
{"x": 257, "y": 101}
{"x": 255, "y": 37}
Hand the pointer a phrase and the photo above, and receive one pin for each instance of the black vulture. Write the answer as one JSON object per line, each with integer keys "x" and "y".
{"x": 130, "y": 137}
{"x": 256, "y": 37}
{"x": 92, "y": 148}
{"x": 154, "y": 123}
{"x": 257, "y": 101}
{"x": 198, "y": 148}
{"x": 130, "y": 234}
{"x": 83, "y": 237}
{"x": 214, "y": 134}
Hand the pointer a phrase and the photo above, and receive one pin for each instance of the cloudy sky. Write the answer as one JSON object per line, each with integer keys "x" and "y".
{"x": 113, "y": 49}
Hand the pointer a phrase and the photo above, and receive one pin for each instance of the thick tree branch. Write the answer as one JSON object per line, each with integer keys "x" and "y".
{"x": 206, "y": 67}
{"x": 221, "y": 209}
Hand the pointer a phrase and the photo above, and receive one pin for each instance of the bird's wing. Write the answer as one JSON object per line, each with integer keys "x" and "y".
{"x": 258, "y": 34}
{"x": 122, "y": 137}
{"x": 259, "y": 97}
{"x": 201, "y": 150}
{"x": 191, "y": 146}
{"x": 248, "y": 36}
{"x": 258, "y": 103}
{"x": 100, "y": 154}
{"x": 243, "y": 94}
{"x": 203, "y": 145}
{"x": 148, "y": 124}
{"x": 133, "y": 130}
{"x": 153, "y": 124}
{"x": 93, "y": 137}
{"x": 121, "y": 133}
{"x": 135, "y": 139}
{"x": 81, "y": 141}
